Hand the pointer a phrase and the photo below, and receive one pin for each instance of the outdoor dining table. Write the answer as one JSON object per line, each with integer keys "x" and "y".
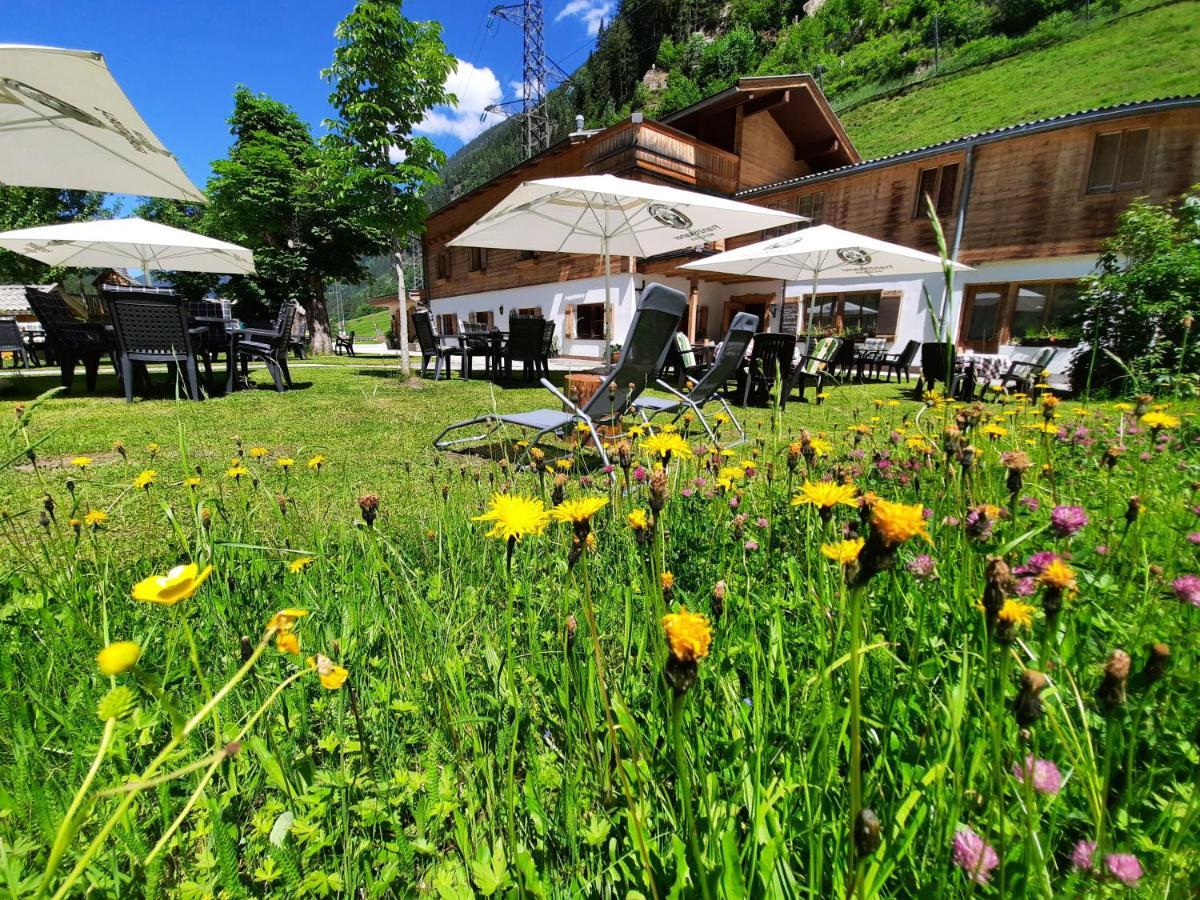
{"x": 496, "y": 340}
{"x": 979, "y": 369}
{"x": 228, "y": 331}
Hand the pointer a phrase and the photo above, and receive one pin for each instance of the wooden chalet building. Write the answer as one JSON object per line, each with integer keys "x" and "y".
{"x": 1026, "y": 206}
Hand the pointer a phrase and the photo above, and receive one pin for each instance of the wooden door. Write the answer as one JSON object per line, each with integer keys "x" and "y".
{"x": 755, "y": 304}
{"x": 982, "y": 317}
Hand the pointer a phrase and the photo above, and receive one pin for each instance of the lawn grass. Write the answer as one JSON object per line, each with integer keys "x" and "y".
{"x": 367, "y": 328}
{"x": 513, "y": 719}
{"x": 1144, "y": 53}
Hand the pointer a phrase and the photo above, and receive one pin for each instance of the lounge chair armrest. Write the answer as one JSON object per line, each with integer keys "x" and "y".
{"x": 259, "y": 332}
{"x": 670, "y": 390}
{"x": 561, "y": 396}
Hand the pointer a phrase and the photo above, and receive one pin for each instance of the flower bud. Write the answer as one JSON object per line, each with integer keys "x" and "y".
{"x": 718, "y": 600}
{"x": 867, "y": 836}
{"x": 1156, "y": 663}
{"x": 1116, "y": 673}
{"x": 1027, "y": 705}
{"x": 368, "y": 505}
{"x": 658, "y": 490}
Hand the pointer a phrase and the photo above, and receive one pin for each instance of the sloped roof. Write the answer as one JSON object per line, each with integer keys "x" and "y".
{"x": 1100, "y": 114}
{"x": 12, "y": 300}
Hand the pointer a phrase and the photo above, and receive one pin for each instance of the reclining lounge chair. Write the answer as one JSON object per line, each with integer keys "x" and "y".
{"x": 642, "y": 355}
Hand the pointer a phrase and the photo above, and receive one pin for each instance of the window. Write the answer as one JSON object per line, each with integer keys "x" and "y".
{"x": 589, "y": 321}
{"x": 447, "y": 323}
{"x": 782, "y": 205}
{"x": 527, "y": 312}
{"x": 443, "y": 265}
{"x": 1118, "y": 161}
{"x": 857, "y": 313}
{"x": 860, "y": 312}
{"x": 940, "y": 185}
{"x": 811, "y": 206}
{"x": 1041, "y": 307}
{"x": 478, "y": 258}
{"x": 481, "y": 318}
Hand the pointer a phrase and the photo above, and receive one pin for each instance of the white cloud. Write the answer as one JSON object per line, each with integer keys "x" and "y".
{"x": 518, "y": 89}
{"x": 476, "y": 88}
{"x": 590, "y": 12}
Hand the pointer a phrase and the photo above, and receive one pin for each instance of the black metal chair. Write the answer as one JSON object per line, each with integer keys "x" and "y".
{"x": 1023, "y": 374}
{"x": 270, "y": 345}
{"x": 343, "y": 343}
{"x": 12, "y": 342}
{"x": 815, "y": 367}
{"x": 547, "y": 346}
{"x": 70, "y": 339}
{"x": 898, "y": 363}
{"x": 770, "y": 358}
{"x": 155, "y": 329}
{"x": 526, "y": 344}
{"x": 431, "y": 345}
{"x": 937, "y": 365}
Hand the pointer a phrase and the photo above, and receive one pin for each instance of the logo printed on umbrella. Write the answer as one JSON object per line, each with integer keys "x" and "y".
{"x": 669, "y": 216}
{"x": 854, "y": 256}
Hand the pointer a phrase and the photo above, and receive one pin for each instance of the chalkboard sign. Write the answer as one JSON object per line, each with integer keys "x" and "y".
{"x": 791, "y": 317}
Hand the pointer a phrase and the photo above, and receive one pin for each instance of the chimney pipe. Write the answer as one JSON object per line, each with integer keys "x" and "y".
{"x": 579, "y": 122}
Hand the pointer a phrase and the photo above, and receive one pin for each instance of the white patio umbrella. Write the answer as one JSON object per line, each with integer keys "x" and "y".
{"x": 821, "y": 251}
{"x": 612, "y": 216}
{"x": 128, "y": 243}
{"x": 65, "y": 123}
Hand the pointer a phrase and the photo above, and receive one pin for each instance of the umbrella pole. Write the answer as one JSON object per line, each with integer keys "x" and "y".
{"x": 146, "y": 272}
{"x": 608, "y": 312}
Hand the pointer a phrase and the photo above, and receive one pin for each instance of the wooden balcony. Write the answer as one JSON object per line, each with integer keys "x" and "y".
{"x": 649, "y": 149}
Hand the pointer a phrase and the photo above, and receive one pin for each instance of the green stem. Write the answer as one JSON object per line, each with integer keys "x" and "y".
{"x": 683, "y": 776}
{"x": 856, "y": 790}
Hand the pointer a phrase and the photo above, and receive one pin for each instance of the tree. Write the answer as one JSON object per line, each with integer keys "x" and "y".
{"x": 190, "y": 217}
{"x": 1142, "y": 304}
{"x": 387, "y": 73}
{"x": 294, "y": 204}
{"x": 26, "y": 207}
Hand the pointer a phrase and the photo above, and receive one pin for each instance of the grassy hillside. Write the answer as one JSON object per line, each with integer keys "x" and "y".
{"x": 1143, "y": 54}
{"x": 367, "y": 327}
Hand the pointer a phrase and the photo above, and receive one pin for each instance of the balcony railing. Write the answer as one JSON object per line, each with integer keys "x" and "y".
{"x": 655, "y": 149}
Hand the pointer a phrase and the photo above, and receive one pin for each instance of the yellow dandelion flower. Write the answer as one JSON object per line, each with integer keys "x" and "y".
{"x": 582, "y": 427}
{"x": 844, "y": 552}
{"x": 720, "y": 419}
{"x": 898, "y": 522}
{"x": 178, "y": 584}
{"x": 82, "y": 461}
{"x": 919, "y": 445}
{"x": 258, "y": 452}
{"x": 144, "y": 479}
{"x": 579, "y": 509}
{"x": 893, "y": 403}
{"x": 688, "y": 635}
{"x": 285, "y": 462}
{"x": 667, "y": 580}
{"x": 994, "y": 431}
{"x": 1016, "y": 613}
{"x": 331, "y": 674}
{"x": 636, "y": 431}
{"x": 826, "y": 494}
{"x": 821, "y": 447}
{"x": 666, "y": 444}
{"x": 638, "y": 519}
{"x": 513, "y": 517}
{"x": 236, "y": 472}
{"x": 299, "y": 564}
{"x": 1156, "y": 420}
{"x": 192, "y": 481}
{"x": 287, "y": 642}
{"x": 94, "y": 518}
{"x": 1058, "y": 575}
{"x": 1123, "y": 407}
{"x": 118, "y": 657}
{"x": 860, "y": 428}
{"x": 565, "y": 463}
{"x": 317, "y": 461}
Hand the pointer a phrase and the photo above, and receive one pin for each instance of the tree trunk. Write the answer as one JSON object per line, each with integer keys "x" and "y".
{"x": 405, "y": 364}
{"x": 318, "y": 317}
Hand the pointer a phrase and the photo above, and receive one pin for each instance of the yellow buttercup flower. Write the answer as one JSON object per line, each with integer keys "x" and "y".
{"x": 178, "y": 584}
{"x": 145, "y": 479}
{"x": 118, "y": 657}
{"x": 258, "y": 452}
{"x": 826, "y": 494}
{"x": 331, "y": 674}
{"x": 1016, "y": 613}
{"x": 513, "y": 517}
{"x": 844, "y": 552}
{"x": 94, "y": 518}
{"x": 82, "y": 461}
{"x": 317, "y": 461}
{"x": 285, "y": 462}
{"x": 898, "y": 522}
{"x": 1156, "y": 420}
{"x": 287, "y": 642}
{"x": 688, "y": 635}
{"x": 579, "y": 509}
{"x": 638, "y": 519}
{"x": 285, "y": 619}
{"x": 299, "y": 564}
{"x": 237, "y": 472}
{"x": 666, "y": 444}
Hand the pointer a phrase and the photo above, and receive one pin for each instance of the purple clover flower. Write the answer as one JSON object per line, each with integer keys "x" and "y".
{"x": 1033, "y": 504}
{"x": 973, "y": 855}
{"x": 922, "y": 567}
{"x": 1194, "y": 538}
{"x": 1068, "y": 521}
{"x": 1124, "y": 867}
{"x": 1037, "y": 563}
{"x": 1045, "y": 775}
{"x": 1082, "y": 855}
{"x": 1187, "y": 589}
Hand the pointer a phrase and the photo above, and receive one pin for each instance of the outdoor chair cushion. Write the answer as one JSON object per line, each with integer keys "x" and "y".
{"x": 686, "y": 353}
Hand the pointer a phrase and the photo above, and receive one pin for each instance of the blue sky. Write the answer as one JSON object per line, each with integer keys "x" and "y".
{"x": 180, "y": 62}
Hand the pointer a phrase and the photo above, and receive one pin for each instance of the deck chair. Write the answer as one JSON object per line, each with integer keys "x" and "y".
{"x": 1023, "y": 374}
{"x": 642, "y": 355}
{"x": 814, "y": 368}
{"x": 709, "y": 385}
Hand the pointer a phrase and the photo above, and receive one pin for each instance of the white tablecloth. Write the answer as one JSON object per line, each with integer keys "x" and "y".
{"x": 988, "y": 366}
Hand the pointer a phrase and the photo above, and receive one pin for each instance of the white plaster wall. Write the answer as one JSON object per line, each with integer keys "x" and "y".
{"x": 553, "y": 299}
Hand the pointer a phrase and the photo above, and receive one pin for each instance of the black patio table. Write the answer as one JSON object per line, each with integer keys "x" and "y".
{"x": 227, "y": 331}
{"x": 495, "y": 352}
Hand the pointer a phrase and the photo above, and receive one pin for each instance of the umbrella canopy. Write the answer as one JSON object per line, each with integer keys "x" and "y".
{"x": 821, "y": 251}
{"x": 128, "y": 243}
{"x": 612, "y": 217}
{"x": 65, "y": 123}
